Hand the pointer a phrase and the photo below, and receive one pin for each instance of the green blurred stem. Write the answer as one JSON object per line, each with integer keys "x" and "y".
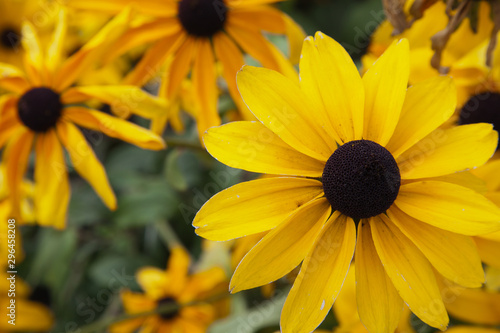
{"x": 101, "y": 325}
{"x": 175, "y": 142}
{"x": 167, "y": 234}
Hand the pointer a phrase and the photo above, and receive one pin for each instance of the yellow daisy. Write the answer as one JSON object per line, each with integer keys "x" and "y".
{"x": 42, "y": 111}
{"x": 197, "y": 34}
{"x": 464, "y": 55}
{"x": 353, "y": 152}
{"x": 29, "y": 316}
{"x": 173, "y": 287}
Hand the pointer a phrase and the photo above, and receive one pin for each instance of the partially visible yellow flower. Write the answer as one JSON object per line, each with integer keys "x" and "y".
{"x": 29, "y": 316}
{"x": 41, "y": 13}
{"x": 465, "y": 52}
{"x": 474, "y": 306}
{"x": 188, "y": 294}
{"x": 199, "y": 33}
{"x": 42, "y": 111}
{"x": 364, "y": 173}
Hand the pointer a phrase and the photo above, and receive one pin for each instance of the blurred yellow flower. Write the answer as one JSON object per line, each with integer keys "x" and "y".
{"x": 186, "y": 293}
{"x": 29, "y": 316}
{"x": 42, "y": 109}
{"x": 41, "y": 13}
{"x": 197, "y": 34}
{"x": 354, "y": 152}
{"x": 464, "y": 55}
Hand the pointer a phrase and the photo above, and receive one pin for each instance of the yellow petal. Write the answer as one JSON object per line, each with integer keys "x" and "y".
{"x": 282, "y": 249}
{"x": 321, "y": 276}
{"x": 249, "y": 3}
{"x": 450, "y": 207}
{"x": 180, "y": 66}
{"x": 385, "y": 89}
{"x": 409, "y": 271}
{"x": 56, "y": 48}
{"x": 149, "y": 7}
{"x": 178, "y": 267}
{"x": 228, "y": 53}
{"x": 253, "y": 147}
{"x": 232, "y": 213}
{"x": 122, "y": 99}
{"x": 143, "y": 34}
{"x": 379, "y": 304}
{"x": 16, "y": 155}
{"x": 13, "y": 79}
{"x": 51, "y": 181}
{"x": 30, "y": 316}
{"x": 253, "y": 43}
{"x": 296, "y": 36}
{"x": 114, "y": 127}
{"x": 33, "y": 56}
{"x": 427, "y": 105}
{"x": 9, "y": 119}
{"x": 454, "y": 256}
{"x": 447, "y": 151}
{"x": 329, "y": 77}
{"x": 204, "y": 81}
{"x": 152, "y": 61}
{"x": 153, "y": 281}
{"x": 85, "y": 162}
{"x": 282, "y": 107}
{"x": 91, "y": 52}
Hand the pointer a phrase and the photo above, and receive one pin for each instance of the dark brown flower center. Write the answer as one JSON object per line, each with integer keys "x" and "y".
{"x": 40, "y": 109}
{"x": 202, "y": 18}
{"x": 482, "y": 108}
{"x": 168, "y": 301}
{"x": 361, "y": 179}
{"x": 10, "y": 38}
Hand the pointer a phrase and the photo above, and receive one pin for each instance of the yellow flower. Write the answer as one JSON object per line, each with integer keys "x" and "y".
{"x": 42, "y": 13}
{"x": 197, "y": 33}
{"x": 352, "y": 151}
{"x": 43, "y": 111}
{"x": 465, "y": 52}
{"x": 173, "y": 287}
{"x": 474, "y": 306}
{"x": 30, "y": 316}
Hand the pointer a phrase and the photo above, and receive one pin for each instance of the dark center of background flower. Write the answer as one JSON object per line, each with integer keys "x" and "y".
{"x": 40, "y": 109}
{"x": 482, "y": 108}
{"x": 168, "y": 301}
{"x": 10, "y": 38}
{"x": 361, "y": 179}
{"x": 202, "y": 18}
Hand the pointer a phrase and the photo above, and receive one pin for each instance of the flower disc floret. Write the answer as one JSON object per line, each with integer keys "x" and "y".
{"x": 361, "y": 179}
{"x": 39, "y": 109}
{"x": 202, "y": 18}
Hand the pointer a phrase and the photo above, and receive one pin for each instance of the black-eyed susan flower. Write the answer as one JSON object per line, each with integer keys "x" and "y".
{"x": 199, "y": 33}
{"x": 177, "y": 288}
{"x": 42, "y": 112}
{"x": 464, "y": 56}
{"x": 28, "y": 316}
{"x": 13, "y": 13}
{"x": 354, "y": 152}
